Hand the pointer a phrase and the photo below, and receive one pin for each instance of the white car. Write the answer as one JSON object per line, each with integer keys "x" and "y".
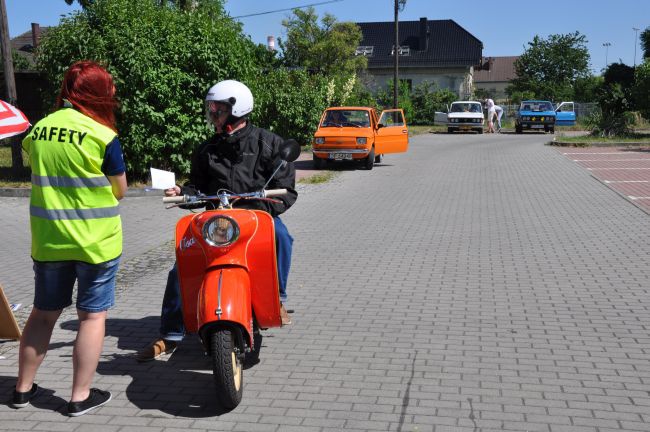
{"x": 462, "y": 116}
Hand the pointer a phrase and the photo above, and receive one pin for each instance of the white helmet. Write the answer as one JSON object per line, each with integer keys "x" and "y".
{"x": 233, "y": 93}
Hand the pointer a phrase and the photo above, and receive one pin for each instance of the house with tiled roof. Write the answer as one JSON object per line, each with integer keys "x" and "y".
{"x": 495, "y": 76}
{"x": 29, "y": 83}
{"x": 25, "y": 44}
{"x": 438, "y": 51}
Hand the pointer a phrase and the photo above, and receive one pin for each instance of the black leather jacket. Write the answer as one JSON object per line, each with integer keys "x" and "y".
{"x": 243, "y": 162}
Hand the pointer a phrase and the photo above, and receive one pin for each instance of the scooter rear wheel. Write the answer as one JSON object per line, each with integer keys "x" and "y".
{"x": 227, "y": 368}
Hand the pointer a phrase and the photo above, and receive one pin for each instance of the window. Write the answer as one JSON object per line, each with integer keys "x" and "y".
{"x": 404, "y": 50}
{"x": 392, "y": 118}
{"x": 364, "y": 50}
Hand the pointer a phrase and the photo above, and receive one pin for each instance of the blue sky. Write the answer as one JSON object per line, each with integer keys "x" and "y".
{"x": 504, "y": 28}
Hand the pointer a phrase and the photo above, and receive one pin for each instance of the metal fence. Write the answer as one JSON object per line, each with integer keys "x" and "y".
{"x": 582, "y": 109}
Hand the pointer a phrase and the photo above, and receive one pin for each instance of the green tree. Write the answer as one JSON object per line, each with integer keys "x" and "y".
{"x": 615, "y": 98}
{"x": 428, "y": 98}
{"x": 549, "y": 67}
{"x": 82, "y": 3}
{"x": 645, "y": 42}
{"x": 163, "y": 62}
{"x": 585, "y": 89}
{"x": 517, "y": 96}
{"x": 641, "y": 88}
{"x": 385, "y": 98}
{"x": 183, "y": 4}
{"x": 328, "y": 47}
{"x": 289, "y": 102}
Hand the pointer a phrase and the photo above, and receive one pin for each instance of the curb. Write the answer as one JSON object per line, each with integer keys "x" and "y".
{"x": 302, "y": 173}
{"x": 24, "y": 192}
{"x": 598, "y": 144}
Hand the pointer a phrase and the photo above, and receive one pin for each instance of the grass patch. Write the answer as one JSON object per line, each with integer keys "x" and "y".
{"x": 7, "y": 179}
{"x": 425, "y": 129}
{"x": 585, "y": 140}
{"x": 322, "y": 177}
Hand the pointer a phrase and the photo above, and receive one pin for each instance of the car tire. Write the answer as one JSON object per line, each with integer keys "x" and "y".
{"x": 480, "y": 131}
{"x": 369, "y": 161}
{"x": 379, "y": 158}
{"x": 552, "y": 130}
{"x": 450, "y": 130}
{"x": 317, "y": 163}
{"x": 518, "y": 129}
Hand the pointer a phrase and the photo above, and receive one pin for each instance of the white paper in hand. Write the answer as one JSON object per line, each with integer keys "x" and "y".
{"x": 162, "y": 179}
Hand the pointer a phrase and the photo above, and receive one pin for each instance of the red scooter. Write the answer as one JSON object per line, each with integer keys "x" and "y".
{"x": 228, "y": 276}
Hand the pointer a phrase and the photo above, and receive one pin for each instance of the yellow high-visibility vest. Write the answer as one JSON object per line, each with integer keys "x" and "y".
{"x": 73, "y": 212}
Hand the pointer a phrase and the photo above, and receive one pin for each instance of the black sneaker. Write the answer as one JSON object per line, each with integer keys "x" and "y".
{"x": 95, "y": 399}
{"x": 22, "y": 399}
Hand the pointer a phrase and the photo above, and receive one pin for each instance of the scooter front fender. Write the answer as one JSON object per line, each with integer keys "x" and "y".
{"x": 225, "y": 299}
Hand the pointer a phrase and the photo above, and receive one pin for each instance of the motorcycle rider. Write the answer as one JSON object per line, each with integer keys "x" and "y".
{"x": 239, "y": 157}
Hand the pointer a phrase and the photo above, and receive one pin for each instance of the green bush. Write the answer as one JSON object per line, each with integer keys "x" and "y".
{"x": 385, "y": 98}
{"x": 427, "y": 99}
{"x": 642, "y": 88}
{"x": 289, "y": 102}
{"x": 163, "y": 61}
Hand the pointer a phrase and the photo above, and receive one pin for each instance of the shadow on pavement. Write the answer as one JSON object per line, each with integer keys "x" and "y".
{"x": 45, "y": 400}
{"x": 179, "y": 385}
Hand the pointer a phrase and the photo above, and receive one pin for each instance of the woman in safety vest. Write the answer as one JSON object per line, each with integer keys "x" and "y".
{"x": 78, "y": 176}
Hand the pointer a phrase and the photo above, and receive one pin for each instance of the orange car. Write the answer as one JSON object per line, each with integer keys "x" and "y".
{"x": 356, "y": 133}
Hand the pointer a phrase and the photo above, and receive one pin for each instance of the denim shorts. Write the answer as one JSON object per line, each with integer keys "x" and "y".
{"x": 55, "y": 282}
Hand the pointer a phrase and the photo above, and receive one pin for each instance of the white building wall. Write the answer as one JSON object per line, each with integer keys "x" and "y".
{"x": 458, "y": 80}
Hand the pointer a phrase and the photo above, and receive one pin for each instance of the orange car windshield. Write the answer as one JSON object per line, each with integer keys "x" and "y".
{"x": 346, "y": 118}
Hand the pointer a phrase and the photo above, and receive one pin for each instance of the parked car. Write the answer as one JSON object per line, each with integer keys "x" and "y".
{"x": 359, "y": 134}
{"x": 536, "y": 115}
{"x": 462, "y": 116}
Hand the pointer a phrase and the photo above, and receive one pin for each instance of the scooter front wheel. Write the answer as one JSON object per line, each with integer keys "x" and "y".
{"x": 227, "y": 368}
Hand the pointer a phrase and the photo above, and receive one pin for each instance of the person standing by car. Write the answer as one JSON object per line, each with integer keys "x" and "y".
{"x": 499, "y": 113}
{"x": 78, "y": 176}
{"x": 239, "y": 157}
{"x": 489, "y": 104}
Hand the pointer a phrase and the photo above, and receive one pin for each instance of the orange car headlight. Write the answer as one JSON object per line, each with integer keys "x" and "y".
{"x": 362, "y": 140}
{"x": 319, "y": 140}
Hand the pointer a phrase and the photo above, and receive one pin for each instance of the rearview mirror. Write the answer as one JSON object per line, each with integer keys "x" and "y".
{"x": 289, "y": 150}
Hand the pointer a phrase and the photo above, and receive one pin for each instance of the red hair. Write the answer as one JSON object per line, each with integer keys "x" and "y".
{"x": 90, "y": 89}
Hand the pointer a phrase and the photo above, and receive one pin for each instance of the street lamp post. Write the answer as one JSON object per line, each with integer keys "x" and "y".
{"x": 399, "y": 5}
{"x": 606, "y": 45}
{"x": 636, "y": 33}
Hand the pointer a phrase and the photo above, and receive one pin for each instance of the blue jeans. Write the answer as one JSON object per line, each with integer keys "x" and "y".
{"x": 54, "y": 281}
{"x": 172, "y": 327}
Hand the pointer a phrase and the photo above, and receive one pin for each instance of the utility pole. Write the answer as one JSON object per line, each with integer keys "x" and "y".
{"x": 10, "y": 85}
{"x": 396, "y": 54}
{"x": 636, "y": 33}
{"x": 399, "y": 4}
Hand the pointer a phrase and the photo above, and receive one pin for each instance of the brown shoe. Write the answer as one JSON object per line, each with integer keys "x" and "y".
{"x": 284, "y": 315}
{"x": 155, "y": 349}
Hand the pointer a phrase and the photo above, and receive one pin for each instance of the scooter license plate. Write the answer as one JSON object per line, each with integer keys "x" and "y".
{"x": 341, "y": 156}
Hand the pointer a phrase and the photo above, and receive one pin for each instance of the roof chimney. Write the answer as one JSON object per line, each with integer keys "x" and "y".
{"x": 270, "y": 43}
{"x": 36, "y": 34}
{"x": 424, "y": 34}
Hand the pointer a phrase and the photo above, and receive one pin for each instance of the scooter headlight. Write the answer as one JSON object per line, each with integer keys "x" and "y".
{"x": 220, "y": 231}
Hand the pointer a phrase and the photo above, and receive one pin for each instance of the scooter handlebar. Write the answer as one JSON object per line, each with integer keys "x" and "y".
{"x": 274, "y": 192}
{"x": 174, "y": 199}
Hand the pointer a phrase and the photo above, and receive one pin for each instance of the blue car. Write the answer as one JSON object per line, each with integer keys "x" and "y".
{"x": 535, "y": 115}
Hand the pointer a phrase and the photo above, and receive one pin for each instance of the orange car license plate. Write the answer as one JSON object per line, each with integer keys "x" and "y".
{"x": 341, "y": 156}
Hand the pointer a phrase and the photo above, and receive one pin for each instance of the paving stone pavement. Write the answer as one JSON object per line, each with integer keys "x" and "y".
{"x": 475, "y": 283}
